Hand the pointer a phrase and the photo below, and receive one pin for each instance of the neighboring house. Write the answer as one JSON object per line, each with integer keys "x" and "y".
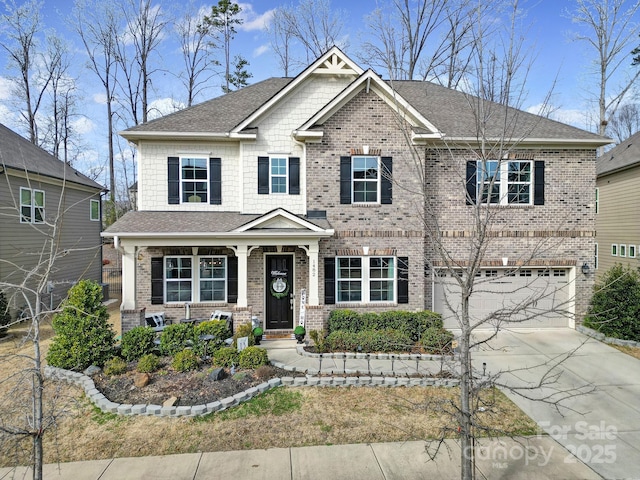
{"x": 295, "y": 196}
{"x": 36, "y": 191}
{"x": 617, "y": 200}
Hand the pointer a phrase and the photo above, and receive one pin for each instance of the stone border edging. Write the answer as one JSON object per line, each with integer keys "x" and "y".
{"x": 373, "y": 356}
{"x": 601, "y": 337}
{"x": 106, "y": 405}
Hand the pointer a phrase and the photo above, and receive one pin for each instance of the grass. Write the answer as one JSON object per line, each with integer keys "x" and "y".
{"x": 281, "y": 417}
{"x": 633, "y": 351}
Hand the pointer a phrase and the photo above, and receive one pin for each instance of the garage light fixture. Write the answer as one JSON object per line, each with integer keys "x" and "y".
{"x": 585, "y": 268}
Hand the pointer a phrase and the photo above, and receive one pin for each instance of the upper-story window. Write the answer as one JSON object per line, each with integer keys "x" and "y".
{"x": 31, "y": 205}
{"x": 366, "y": 179}
{"x": 94, "y": 210}
{"x": 194, "y": 178}
{"x": 507, "y": 182}
{"x": 278, "y": 174}
{"x": 365, "y": 175}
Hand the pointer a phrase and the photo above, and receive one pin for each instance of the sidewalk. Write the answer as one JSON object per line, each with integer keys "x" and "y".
{"x": 538, "y": 457}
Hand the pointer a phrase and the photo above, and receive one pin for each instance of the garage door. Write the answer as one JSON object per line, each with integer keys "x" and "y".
{"x": 528, "y": 297}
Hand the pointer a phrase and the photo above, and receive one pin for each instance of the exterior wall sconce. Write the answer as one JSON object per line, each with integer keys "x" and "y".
{"x": 365, "y": 250}
{"x": 585, "y": 268}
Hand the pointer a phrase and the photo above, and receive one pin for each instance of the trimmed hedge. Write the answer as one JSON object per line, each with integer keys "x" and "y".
{"x": 225, "y": 357}
{"x": 253, "y": 357}
{"x": 413, "y": 324}
{"x": 437, "y": 341}
{"x": 367, "y": 341}
{"x": 177, "y": 337}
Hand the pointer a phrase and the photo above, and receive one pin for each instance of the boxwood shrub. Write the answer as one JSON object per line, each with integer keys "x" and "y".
{"x": 253, "y": 357}
{"x": 176, "y": 337}
{"x": 225, "y": 357}
{"x": 185, "y": 360}
{"x": 137, "y": 342}
{"x": 148, "y": 363}
{"x": 437, "y": 341}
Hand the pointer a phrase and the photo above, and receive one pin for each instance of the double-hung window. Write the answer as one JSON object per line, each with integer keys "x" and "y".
{"x": 505, "y": 182}
{"x": 194, "y": 178}
{"x": 31, "y": 205}
{"x": 195, "y": 279}
{"x": 365, "y": 177}
{"x": 366, "y": 279}
{"x": 278, "y": 174}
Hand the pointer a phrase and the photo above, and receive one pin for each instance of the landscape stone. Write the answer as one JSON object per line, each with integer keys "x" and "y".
{"x": 170, "y": 402}
{"x": 217, "y": 374}
{"x": 92, "y": 370}
{"x": 141, "y": 380}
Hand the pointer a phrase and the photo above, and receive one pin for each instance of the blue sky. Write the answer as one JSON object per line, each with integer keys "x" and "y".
{"x": 547, "y": 25}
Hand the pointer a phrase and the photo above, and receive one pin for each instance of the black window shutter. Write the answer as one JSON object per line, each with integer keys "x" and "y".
{"x": 294, "y": 176}
{"x": 173, "y": 176}
{"x": 329, "y": 281}
{"x": 232, "y": 279}
{"x": 387, "y": 177}
{"x": 538, "y": 182}
{"x": 215, "y": 181}
{"x": 345, "y": 180}
{"x": 472, "y": 168}
{"x": 263, "y": 175}
{"x": 403, "y": 279}
{"x": 157, "y": 281}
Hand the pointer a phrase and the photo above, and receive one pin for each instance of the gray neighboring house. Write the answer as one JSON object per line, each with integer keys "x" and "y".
{"x": 618, "y": 197}
{"x": 36, "y": 191}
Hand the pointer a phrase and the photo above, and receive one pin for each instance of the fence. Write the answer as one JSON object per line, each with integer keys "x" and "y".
{"x": 112, "y": 276}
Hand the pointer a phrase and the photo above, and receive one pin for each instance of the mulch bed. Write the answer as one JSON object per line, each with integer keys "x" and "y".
{"x": 191, "y": 388}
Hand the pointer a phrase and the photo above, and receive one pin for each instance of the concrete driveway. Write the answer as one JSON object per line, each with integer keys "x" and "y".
{"x": 590, "y": 402}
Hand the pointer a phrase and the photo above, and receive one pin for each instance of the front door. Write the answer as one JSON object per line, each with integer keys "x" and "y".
{"x": 279, "y": 292}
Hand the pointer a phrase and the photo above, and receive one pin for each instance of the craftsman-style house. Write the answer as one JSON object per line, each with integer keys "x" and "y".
{"x": 295, "y": 196}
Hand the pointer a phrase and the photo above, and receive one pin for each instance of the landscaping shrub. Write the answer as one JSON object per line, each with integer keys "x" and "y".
{"x": 115, "y": 366}
{"x": 175, "y": 338}
{"x": 319, "y": 340}
{"x": 149, "y": 363}
{"x": 369, "y": 341}
{"x": 137, "y": 342}
{"x": 244, "y": 330}
{"x": 5, "y": 316}
{"x": 185, "y": 360}
{"x": 413, "y": 324}
{"x": 253, "y": 357}
{"x": 437, "y": 341}
{"x": 83, "y": 334}
{"x": 615, "y": 305}
{"x": 225, "y": 357}
{"x": 220, "y": 332}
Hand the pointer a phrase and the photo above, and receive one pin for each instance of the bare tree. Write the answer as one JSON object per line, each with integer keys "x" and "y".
{"x": 196, "y": 53}
{"x": 624, "y": 122}
{"x": 97, "y": 24}
{"x": 145, "y": 25}
{"x": 35, "y": 69}
{"x": 313, "y": 25}
{"x": 608, "y": 27}
{"x": 402, "y": 34}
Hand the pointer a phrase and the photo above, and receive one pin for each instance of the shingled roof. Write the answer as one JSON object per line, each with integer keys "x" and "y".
{"x": 450, "y": 111}
{"x": 18, "y": 153}
{"x": 621, "y": 157}
{"x": 145, "y": 222}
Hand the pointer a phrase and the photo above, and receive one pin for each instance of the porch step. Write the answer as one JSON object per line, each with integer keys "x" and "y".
{"x": 278, "y": 335}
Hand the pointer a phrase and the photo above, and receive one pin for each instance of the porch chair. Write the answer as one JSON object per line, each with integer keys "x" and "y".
{"x": 156, "y": 320}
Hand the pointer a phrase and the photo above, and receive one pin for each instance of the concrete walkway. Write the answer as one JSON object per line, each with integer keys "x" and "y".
{"x": 601, "y": 428}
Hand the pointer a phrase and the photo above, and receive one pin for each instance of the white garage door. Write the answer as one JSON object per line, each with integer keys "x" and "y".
{"x": 524, "y": 298}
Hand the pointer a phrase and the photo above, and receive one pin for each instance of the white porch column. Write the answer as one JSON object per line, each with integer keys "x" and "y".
{"x": 128, "y": 277}
{"x": 312, "y": 294}
{"x": 242, "y": 254}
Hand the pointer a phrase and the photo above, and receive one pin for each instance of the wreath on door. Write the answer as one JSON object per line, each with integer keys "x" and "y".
{"x": 279, "y": 287}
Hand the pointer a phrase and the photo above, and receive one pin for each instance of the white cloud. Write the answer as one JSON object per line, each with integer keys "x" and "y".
{"x": 5, "y": 88}
{"x": 9, "y": 117}
{"x": 253, "y": 20}
{"x": 262, "y": 49}
{"x": 574, "y": 117}
{"x": 164, "y": 106}
{"x": 83, "y": 126}
{"x": 100, "y": 98}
